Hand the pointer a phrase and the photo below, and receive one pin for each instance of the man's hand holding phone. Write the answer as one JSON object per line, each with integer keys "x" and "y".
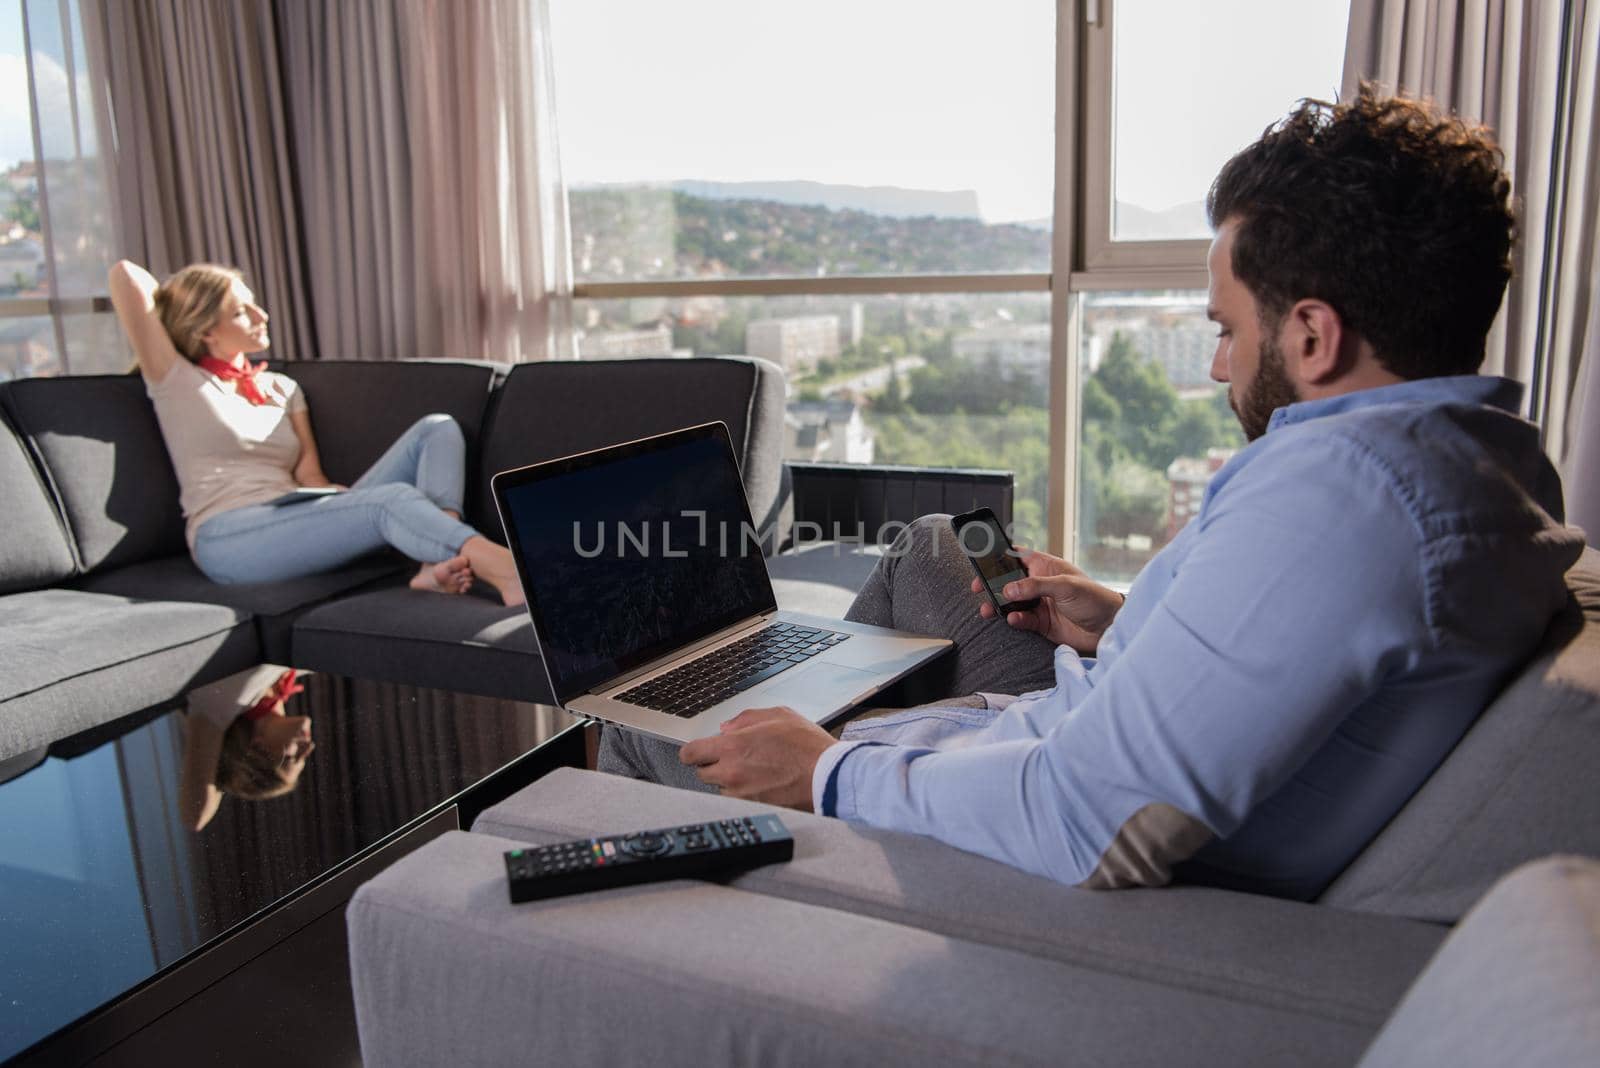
{"x": 1071, "y": 609}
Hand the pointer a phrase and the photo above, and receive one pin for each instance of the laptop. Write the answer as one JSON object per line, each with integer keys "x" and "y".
{"x": 650, "y": 598}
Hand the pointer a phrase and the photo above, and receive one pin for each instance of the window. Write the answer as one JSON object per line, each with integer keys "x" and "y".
{"x": 972, "y": 236}
{"x": 1173, "y": 90}
{"x": 54, "y": 215}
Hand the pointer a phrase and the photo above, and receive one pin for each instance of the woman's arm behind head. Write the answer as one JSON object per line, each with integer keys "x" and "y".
{"x": 133, "y": 294}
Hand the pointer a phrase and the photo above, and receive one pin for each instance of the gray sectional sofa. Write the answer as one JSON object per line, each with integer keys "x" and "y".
{"x": 879, "y": 948}
{"x": 102, "y": 613}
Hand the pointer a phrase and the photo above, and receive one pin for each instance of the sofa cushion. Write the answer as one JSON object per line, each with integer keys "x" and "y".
{"x": 360, "y": 407}
{"x": 471, "y": 644}
{"x": 1320, "y": 961}
{"x": 555, "y": 408}
{"x": 446, "y": 971}
{"x": 34, "y": 551}
{"x": 1517, "y": 983}
{"x": 104, "y": 458}
{"x": 822, "y": 577}
{"x": 74, "y": 659}
{"x": 273, "y": 605}
{"x": 1520, "y": 785}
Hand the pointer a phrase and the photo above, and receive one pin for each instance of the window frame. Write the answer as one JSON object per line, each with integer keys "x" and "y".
{"x": 1083, "y": 257}
{"x": 1101, "y": 252}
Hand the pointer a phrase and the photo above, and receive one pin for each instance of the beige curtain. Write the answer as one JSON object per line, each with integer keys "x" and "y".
{"x": 385, "y": 171}
{"x": 1528, "y": 70}
{"x": 489, "y": 210}
{"x": 194, "y": 137}
{"x": 436, "y": 221}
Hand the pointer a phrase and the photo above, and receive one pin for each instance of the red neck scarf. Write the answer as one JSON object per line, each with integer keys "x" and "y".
{"x": 285, "y": 688}
{"x": 244, "y": 378}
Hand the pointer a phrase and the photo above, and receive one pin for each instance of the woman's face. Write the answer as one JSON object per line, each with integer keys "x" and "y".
{"x": 287, "y": 739}
{"x": 240, "y": 327}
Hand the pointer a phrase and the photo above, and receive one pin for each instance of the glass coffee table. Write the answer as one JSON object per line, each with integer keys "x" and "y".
{"x": 125, "y": 932}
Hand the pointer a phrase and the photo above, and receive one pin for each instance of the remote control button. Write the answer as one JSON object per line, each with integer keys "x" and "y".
{"x": 693, "y": 828}
{"x": 647, "y": 844}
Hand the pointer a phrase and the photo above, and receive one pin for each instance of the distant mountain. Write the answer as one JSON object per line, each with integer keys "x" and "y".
{"x": 654, "y": 232}
{"x": 887, "y": 200}
{"x": 1134, "y": 223}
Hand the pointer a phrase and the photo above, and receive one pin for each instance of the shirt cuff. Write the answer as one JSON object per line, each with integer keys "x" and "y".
{"x": 825, "y": 776}
{"x": 996, "y": 702}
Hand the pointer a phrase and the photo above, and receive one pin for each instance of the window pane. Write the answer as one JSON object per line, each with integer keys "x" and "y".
{"x": 27, "y": 348}
{"x": 1196, "y": 82}
{"x": 1155, "y": 427}
{"x": 720, "y": 138}
{"x": 70, "y": 172}
{"x": 929, "y": 381}
{"x": 96, "y": 345}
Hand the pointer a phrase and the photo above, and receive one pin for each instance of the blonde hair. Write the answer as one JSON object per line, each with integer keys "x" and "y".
{"x": 244, "y": 770}
{"x": 190, "y": 303}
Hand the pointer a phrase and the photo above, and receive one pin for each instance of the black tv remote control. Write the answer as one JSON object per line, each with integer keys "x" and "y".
{"x": 686, "y": 852}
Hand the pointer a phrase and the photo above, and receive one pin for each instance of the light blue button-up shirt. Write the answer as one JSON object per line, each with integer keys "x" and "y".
{"x": 1354, "y": 590}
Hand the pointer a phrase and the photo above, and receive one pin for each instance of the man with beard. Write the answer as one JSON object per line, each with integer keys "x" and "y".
{"x": 1359, "y": 581}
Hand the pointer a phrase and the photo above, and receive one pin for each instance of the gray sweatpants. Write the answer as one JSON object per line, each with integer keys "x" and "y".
{"x": 922, "y": 585}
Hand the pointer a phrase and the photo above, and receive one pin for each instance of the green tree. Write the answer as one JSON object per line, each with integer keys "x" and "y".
{"x": 1132, "y": 500}
{"x": 892, "y": 399}
{"x": 25, "y": 213}
{"x": 1146, "y": 402}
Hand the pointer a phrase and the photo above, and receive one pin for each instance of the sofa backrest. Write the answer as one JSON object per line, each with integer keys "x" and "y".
{"x": 360, "y": 407}
{"x": 555, "y": 408}
{"x": 1520, "y": 785}
{"x": 35, "y": 551}
{"x": 103, "y": 458}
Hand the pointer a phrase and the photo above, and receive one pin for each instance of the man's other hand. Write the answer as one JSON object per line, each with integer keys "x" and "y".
{"x": 762, "y": 754}
{"x": 1073, "y": 609}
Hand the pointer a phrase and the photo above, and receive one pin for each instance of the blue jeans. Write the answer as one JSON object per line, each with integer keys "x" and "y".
{"x": 399, "y": 502}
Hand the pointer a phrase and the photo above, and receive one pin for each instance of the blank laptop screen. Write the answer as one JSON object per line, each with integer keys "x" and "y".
{"x": 630, "y": 553}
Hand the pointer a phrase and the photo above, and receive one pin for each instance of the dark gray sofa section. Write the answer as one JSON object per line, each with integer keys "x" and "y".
{"x": 556, "y": 408}
{"x": 103, "y": 612}
{"x": 73, "y": 659}
{"x": 36, "y": 550}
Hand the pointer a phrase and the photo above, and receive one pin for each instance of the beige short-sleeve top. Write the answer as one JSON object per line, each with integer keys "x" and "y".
{"x": 227, "y": 452}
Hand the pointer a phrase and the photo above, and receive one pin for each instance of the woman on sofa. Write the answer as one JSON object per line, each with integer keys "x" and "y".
{"x": 241, "y": 443}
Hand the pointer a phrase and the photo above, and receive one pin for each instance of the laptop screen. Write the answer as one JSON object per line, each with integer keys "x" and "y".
{"x": 631, "y": 552}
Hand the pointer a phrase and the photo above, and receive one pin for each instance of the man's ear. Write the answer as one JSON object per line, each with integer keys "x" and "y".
{"x": 1313, "y": 342}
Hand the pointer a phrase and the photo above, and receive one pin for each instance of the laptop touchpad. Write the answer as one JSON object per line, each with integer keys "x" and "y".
{"x": 816, "y": 689}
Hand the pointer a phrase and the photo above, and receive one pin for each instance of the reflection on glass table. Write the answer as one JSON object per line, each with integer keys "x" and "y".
{"x": 129, "y": 848}
{"x": 240, "y": 739}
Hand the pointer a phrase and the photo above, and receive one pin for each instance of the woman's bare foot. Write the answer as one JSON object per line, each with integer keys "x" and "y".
{"x": 447, "y": 576}
{"x": 494, "y": 565}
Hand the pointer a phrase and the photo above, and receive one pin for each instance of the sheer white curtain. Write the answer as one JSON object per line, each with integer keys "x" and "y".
{"x": 489, "y": 207}
{"x": 385, "y": 170}
{"x": 1530, "y": 70}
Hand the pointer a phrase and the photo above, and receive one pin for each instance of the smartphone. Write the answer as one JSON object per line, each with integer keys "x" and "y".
{"x": 993, "y": 556}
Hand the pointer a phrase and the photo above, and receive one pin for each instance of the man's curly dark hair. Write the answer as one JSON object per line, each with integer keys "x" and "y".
{"x": 1396, "y": 216}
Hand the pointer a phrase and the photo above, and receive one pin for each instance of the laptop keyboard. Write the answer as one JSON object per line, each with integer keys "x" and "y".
{"x": 696, "y": 686}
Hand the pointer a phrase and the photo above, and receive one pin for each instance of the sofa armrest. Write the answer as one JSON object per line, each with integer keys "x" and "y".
{"x": 1517, "y": 982}
{"x": 1337, "y": 965}
{"x": 446, "y": 971}
{"x": 859, "y": 500}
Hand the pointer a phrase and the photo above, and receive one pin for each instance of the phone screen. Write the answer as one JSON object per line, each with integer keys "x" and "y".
{"x": 986, "y": 543}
